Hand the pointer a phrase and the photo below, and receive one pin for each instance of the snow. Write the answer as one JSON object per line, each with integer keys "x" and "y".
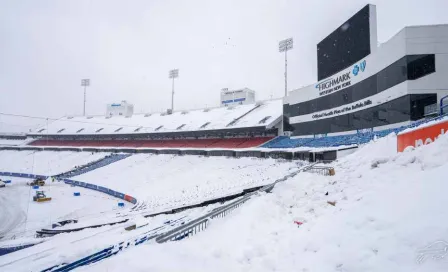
{"x": 219, "y": 118}
{"x": 20, "y": 216}
{"x": 14, "y": 142}
{"x": 169, "y": 181}
{"x": 44, "y": 162}
{"x": 69, "y": 247}
{"x": 388, "y": 208}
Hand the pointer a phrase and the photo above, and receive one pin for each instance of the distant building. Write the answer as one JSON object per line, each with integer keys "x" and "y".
{"x": 120, "y": 109}
{"x": 237, "y": 97}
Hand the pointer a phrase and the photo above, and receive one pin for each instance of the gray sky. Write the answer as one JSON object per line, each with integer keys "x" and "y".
{"x": 127, "y": 48}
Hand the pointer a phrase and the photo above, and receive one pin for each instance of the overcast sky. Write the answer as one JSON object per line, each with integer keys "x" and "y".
{"x": 127, "y": 48}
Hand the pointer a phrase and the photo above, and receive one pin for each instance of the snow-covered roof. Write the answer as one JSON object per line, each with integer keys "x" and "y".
{"x": 262, "y": 114}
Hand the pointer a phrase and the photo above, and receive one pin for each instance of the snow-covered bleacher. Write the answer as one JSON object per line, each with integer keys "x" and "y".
{"x": 13, "y": 139}
{"x": 12, "y": 142}
{"x": 45, "y": 162}
{"x": 93, "y": 165}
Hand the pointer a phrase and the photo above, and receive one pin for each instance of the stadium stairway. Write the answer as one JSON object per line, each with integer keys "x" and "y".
{"x": 242, "y": 116}
{"x": 92, "y": 166}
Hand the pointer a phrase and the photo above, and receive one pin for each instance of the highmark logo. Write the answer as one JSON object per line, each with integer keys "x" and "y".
{"x": 331, "y": 82}
{"x": 361, "y": 66}
{"x": 356, "y": 70}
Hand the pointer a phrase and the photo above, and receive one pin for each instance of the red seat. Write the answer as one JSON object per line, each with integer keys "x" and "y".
{"x": 253, "y": 142}
{"x": 228, "y": 143}
{"x": 200, "y": 143}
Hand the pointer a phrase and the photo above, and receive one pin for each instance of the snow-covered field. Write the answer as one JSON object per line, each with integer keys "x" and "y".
{"x": 20, "y": 216}
{"x": 44, "y": 162}
{"x": 390, "y": 214}
{"x": 168, "y": 181}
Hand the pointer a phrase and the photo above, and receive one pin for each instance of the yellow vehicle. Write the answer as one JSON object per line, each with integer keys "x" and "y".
{"x": 41, "y": 197}
{"x": 38, "y": 182}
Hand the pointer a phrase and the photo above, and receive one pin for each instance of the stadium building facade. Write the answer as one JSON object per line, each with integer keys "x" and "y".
{"x": 372, "y": 88}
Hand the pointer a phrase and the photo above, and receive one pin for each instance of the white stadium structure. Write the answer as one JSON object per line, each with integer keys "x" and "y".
{"x": 347, "y": 174}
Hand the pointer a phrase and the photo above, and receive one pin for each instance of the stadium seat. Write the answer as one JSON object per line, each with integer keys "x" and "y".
{"x": 178, "y": 143}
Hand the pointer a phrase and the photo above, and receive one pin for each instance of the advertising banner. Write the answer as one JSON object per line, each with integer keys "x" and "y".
{"x": 421, "y": 136}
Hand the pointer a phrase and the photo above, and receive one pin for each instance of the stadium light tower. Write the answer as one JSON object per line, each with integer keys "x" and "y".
{"x": 173, "y": 74}
{"x": 85, "y": 83}
{"x": 284, "y": 46}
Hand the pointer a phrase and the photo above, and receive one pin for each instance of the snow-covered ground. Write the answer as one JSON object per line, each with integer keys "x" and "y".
{"x": 20, "y": 216}
{"x": 389, "y": 214}
{"x": 168, "y": 181}
{"x": 45, "y": 162}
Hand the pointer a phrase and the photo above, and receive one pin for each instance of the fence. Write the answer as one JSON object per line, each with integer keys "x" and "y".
{"x": 201, "y": 223}
{"x": 113, "y": 250}
{"x": 322, "y": 170}
{"x": 183, "y": 230}
{"x": 86, "y": 185}
{"x": 102, "y": 189}
{"x": 7, "y": 250}
{"x": 22, "y": 175}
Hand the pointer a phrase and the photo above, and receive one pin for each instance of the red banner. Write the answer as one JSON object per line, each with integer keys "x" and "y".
{"x": 421, "y": 136}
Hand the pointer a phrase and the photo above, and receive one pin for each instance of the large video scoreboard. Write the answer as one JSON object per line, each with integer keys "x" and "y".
{"x": 349, "y": 43}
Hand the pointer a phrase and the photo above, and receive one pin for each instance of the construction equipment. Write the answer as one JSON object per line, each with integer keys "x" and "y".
{"x": 41, "y": 197}
{"x": 37, "y": 182}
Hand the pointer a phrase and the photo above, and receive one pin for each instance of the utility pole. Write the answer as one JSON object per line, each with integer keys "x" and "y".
{"x": 173, "y": 74}
{"x": 85, "y": 83}
{"x": 284, "y": 46}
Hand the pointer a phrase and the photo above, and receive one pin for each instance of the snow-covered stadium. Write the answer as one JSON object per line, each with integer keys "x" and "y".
{"x": 347, "y": 174}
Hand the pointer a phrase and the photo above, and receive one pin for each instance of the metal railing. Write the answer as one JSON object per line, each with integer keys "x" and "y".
{"x": 193, "y": 227}
{"x": 201, "y": 223}
{"x": 443, "y": 105}
{"x": 431, "y": 110}
{"x": 321, "y": 170}
{"x": 183, "y": 230}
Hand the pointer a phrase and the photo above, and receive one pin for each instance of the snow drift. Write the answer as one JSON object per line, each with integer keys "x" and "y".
{"x": 389, "y": 210}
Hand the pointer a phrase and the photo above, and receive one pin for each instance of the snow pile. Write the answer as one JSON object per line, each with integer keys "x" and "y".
{"x": 387, "y": 212}
{"x": 169, "y": 181}
{"x": 45, "y": 162}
